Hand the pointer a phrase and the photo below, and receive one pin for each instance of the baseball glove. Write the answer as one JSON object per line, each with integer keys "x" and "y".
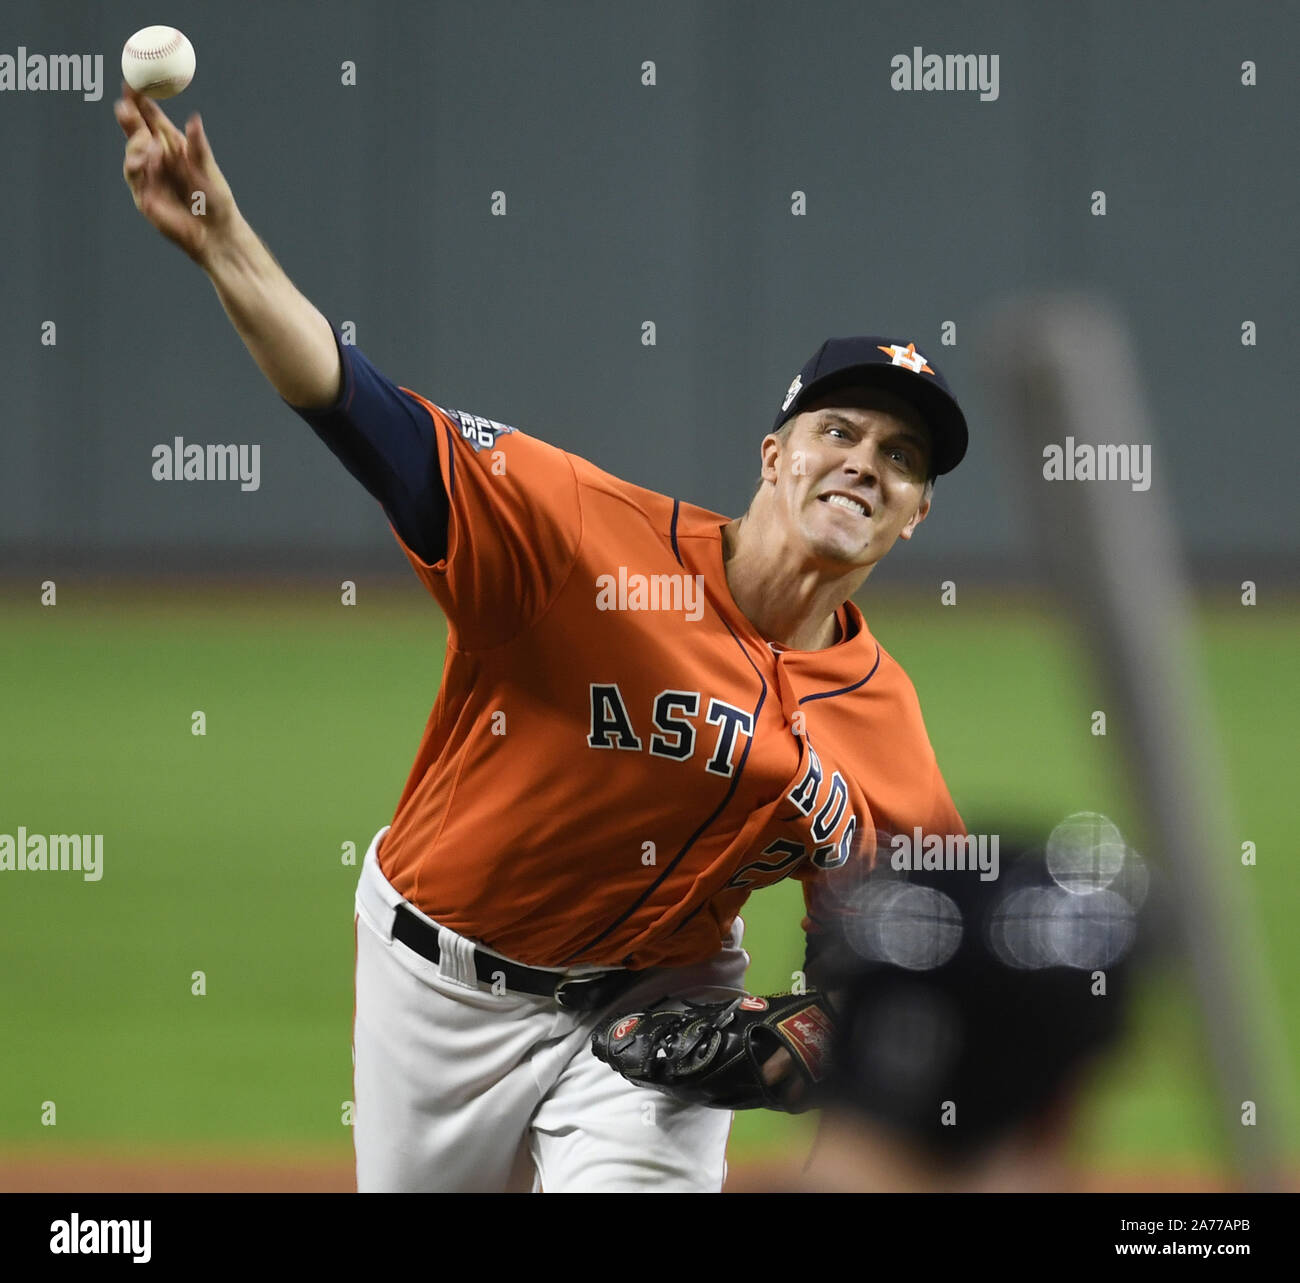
{"x": 713, "y": 1053}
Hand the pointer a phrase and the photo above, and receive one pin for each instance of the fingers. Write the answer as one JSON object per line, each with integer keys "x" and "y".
{"x": 154, "y": 143}
{"x": 140, "y": 148}
{"x": 146, "y": 111}
{"x": 136, "y": 161}
{"x": 127, "y": 116}
{"x": 153, "y": 138}
{"x": 127, "y": 111}
{"x": 144, "y": 154}
{"x": 200, "y": 152}
{"x": 777, "y": 1066}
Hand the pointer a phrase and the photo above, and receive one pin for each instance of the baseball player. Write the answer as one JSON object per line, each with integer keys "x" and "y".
{"x": 647, "y": 712}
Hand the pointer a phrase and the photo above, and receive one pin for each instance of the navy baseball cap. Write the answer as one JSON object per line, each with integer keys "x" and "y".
{"x": 873, "y": 361}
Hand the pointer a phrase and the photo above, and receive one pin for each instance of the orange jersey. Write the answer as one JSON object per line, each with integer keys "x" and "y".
{"x": 616, "y": 758}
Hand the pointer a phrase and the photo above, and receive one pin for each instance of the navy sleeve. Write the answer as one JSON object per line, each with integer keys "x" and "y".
{"x": 388, "y": 442}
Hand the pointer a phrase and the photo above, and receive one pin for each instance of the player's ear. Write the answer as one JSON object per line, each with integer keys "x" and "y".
{"x": 769, "y": 452}
{"x": 922, "y": 511}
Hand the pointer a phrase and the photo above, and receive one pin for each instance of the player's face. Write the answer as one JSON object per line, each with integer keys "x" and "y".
{"x": 851, "y": 478}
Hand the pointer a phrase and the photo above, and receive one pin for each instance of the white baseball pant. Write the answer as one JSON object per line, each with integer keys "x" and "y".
{"x": 459, "y": 1089}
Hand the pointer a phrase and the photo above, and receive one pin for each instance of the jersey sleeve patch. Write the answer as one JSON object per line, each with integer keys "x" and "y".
{"x": 479, "y": 433}
{"x": 513, "y": 531}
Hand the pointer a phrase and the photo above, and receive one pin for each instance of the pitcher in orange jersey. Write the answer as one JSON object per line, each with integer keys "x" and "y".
{"x": 647, "y": 712}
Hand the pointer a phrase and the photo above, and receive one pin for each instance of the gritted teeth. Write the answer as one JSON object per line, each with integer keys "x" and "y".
{"x": 843, "y": 501}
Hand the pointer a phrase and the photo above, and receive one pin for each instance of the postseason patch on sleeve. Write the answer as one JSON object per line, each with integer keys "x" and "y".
{"x": 477, "y": 431}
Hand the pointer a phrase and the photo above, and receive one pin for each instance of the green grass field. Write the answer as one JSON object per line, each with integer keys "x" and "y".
{"x": 223, "y": 852}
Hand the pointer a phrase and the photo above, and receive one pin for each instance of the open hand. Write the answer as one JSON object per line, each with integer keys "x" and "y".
{"x": 173, "y": 177}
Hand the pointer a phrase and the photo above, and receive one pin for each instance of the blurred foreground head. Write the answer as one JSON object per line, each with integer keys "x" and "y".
{"x": 973, "y": 1005}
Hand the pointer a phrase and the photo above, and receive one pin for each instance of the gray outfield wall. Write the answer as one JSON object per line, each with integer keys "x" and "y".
{"x": 774, "y": 185}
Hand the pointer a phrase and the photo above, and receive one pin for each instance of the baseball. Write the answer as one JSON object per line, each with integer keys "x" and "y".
{"x": 158, "y": 62}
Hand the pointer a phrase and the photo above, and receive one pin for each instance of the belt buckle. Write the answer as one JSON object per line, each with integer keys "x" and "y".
{"x": 583, "y": 985}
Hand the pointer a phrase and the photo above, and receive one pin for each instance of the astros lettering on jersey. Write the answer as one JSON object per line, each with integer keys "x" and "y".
{"x": 616, "y": 759}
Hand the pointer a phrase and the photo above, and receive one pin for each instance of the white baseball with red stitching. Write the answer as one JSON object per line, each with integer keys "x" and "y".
{"x": 158, "y": 62}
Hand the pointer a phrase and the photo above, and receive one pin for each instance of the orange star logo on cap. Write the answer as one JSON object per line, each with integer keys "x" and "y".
{"x": 907, "y": 356}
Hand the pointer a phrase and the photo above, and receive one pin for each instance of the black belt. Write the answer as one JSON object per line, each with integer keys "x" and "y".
{"x": 573, "y": 993}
